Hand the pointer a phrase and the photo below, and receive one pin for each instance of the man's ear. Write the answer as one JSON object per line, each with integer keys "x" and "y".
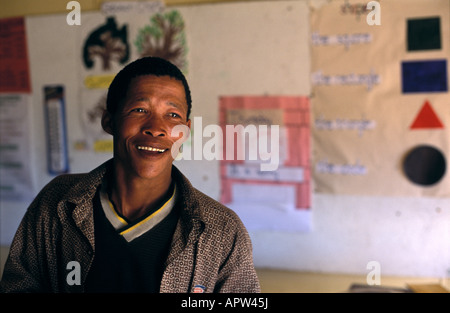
{"x": 107, "y": 122}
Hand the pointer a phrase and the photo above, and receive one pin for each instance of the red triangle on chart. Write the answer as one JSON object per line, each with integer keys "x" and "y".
{"x": 426, "y": 118}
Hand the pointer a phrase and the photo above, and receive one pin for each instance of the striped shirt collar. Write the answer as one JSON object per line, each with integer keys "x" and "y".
{"x": 131, "y": 231}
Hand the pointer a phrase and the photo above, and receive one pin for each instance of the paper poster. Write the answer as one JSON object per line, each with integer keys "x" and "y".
{"x": 16, "y": 182}
{"x": 14, "y": 65}
{"x": 109, "y": 42}
{"x": 105, "y": 49}
{"x": 164, "y": 37}
{"x": 379, "y": 91}
{"x": 265, "y": 171}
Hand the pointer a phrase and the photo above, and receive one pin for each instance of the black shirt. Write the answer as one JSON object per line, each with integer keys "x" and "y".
{"x": 135, "y": 266}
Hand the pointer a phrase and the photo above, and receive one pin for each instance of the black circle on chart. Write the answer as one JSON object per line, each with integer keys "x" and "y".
{"x": 424, "y": 165}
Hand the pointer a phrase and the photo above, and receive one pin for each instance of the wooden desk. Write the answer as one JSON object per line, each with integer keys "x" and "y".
{"x": 280, "y": 281}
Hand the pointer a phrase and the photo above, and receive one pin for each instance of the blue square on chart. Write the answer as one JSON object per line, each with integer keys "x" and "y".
{"x": 424, "y": 76}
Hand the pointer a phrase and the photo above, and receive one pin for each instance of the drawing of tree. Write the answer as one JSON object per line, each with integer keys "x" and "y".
{"x": 107, "y": 42}
{"x": 164, "y": 38}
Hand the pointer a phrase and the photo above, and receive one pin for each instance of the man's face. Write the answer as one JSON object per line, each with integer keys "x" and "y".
{"x": 143, "y": 123}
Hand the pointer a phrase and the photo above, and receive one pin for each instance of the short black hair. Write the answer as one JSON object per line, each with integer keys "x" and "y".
{"x": 145, "y": 66}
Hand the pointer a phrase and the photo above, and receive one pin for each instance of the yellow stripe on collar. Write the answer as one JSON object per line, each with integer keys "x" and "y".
{"x": 152, "y": 215}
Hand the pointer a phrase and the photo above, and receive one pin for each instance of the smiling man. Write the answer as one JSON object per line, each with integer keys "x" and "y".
{"x": 135, "y": 223}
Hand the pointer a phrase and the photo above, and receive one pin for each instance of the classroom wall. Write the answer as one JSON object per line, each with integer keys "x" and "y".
{"x": 251, "y": 48}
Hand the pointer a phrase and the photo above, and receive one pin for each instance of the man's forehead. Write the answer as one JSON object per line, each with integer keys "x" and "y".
{"x": 147, "y": 82}
{"x": 155, "y": 78}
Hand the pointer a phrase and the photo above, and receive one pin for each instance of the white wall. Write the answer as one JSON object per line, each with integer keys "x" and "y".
{"x": 252, "y": 48}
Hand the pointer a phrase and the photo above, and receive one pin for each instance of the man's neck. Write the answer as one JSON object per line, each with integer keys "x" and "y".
{"x": 134, "y": 197}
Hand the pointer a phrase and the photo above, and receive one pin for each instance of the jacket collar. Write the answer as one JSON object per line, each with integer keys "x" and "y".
{"x": 191, "y": 222}
{"x": 81, "y": 196}
{"x": 188, "y": 195}
{"x": 192, "y": 217}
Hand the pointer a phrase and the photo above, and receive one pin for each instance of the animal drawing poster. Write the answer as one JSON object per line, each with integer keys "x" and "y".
{"x": 380, "y": 97}
{"x": 108, "y": 42}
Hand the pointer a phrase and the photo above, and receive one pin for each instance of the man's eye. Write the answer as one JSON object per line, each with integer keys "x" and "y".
{"x": 174, "y": 115}
{"x": 139, "y": 110}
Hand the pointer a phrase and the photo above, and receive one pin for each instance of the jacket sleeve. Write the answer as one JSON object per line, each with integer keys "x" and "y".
{"x": 26, "y": 268}
{"x": 237, "y": 274}
{"x": 21, "y": 272}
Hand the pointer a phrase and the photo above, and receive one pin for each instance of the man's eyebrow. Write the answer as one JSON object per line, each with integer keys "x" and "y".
{"x": 170, "y": 103}
{"x": 139, "y": 98}
{"x": 174, "y": 104}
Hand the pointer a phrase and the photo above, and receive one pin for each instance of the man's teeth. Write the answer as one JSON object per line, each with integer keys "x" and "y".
{"x": 151, "y": 149}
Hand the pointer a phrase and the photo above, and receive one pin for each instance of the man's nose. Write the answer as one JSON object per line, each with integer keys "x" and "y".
{"x": 155, "y": 127}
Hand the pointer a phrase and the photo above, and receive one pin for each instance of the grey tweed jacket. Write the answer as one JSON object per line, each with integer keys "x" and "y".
{"x": 210, "y": 248}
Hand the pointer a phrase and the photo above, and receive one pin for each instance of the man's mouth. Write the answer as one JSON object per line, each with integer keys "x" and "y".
{"x": 146, "y": 148}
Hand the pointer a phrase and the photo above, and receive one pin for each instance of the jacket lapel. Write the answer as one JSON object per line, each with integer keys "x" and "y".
{"x": 82, "y": 195}
{"x": 184, "y": 244}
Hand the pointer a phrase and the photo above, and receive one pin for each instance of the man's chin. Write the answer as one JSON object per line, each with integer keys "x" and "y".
{"x": 153, "y": 170}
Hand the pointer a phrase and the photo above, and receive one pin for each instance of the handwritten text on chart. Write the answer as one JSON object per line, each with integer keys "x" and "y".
{"x": 252, "y": 172}
{"x": 369, "y": 80}
{"x": 343, "y": 39}
{"x": 326, "y": 167}
{"x": 360, "y": 125}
